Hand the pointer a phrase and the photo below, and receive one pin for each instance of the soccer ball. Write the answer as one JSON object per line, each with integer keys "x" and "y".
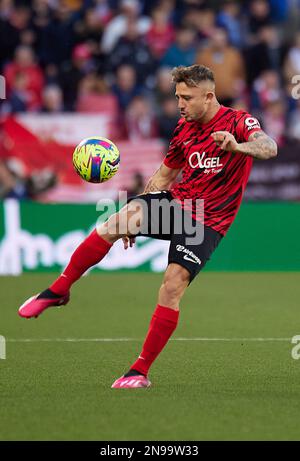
{"x": 96, "y": 159}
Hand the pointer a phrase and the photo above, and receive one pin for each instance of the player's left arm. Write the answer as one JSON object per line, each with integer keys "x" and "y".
{"x": 259, "y": 144}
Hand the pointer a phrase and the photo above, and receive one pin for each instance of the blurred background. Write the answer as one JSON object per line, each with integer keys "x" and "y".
{"x": 78, "y": 68}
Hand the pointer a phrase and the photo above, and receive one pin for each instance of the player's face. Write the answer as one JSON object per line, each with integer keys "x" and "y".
{"x": 193, "y": 102}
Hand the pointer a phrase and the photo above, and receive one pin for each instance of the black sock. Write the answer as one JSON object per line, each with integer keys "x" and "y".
{"x": 48, "y": 294}
{"x": 133, "y": 373}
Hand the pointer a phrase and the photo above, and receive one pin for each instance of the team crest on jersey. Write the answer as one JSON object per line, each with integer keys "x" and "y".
{"x": 210, "y": 164}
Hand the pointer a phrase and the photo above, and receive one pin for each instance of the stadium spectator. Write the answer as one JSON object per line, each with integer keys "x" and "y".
{"x": 267, "y": 53}
{"x": 94, "y": 96}
{"x": 139, "y": 120}
{"x": 266, "y": 89}
{"x": 90, "y": 30}
{"x": 130, "y": 10}
{"x": 13, "y": 22}
{"x": 259, "y": 16}
{"x": 169, "y": 7}
{"x": 183, "y": 51}
{"x": 167, "y": 119}
{"x": 292, "y": 60}
{"x": 163, "y": 87}
{"x": 137, "y": 185}
{"x": 6, "y": 7}
{"x": 40, "y": 22}
{"x": 58, "y": 36}
{"x": 10, "y": 186}
{"x": 132, "y": 50}
{"x": 227, "y": 64}
{"x": 14, "y": 183}
{"x": 274, "y": 120}
{"x": 72, "y": 73}
{"x": 52, "y": 99}
{"x": 19, "y": 96}
{"x": 28, "y": 38}
{"x": 125, "y": 87}
{"x": 203, "y": 21}
{"x": 229, "y": 18}
{"x": 32, "y": 78}
{"x": 161, "y": 33}
{"x": 103, "y": 11}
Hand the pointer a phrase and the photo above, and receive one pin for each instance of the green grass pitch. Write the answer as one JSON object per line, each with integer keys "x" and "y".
{"x": 202, "y": 390}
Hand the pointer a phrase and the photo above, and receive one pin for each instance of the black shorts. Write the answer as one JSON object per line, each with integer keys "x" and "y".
{"x": 191, "y": 244}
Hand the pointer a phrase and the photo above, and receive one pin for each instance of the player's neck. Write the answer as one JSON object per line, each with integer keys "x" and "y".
{"x": 210, "y": 113}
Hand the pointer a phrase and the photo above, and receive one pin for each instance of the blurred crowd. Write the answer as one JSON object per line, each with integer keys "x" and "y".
{"x": 76, "y": 55}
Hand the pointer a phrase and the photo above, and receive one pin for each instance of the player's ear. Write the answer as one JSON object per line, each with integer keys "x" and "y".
{"x": 210, "y": 96}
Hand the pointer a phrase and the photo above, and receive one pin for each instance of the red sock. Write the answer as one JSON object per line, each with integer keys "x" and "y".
{"x": 89, "y": 253}
{"x": 162, "y": 325}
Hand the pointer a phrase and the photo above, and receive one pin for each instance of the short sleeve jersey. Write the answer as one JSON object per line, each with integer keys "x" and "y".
{"x": 209, "y": 173}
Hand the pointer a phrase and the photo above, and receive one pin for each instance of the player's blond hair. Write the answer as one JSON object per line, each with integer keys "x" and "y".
{"x": 192, "y": 75}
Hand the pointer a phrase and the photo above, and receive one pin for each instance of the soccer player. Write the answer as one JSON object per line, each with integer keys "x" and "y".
{"x": 214, "y": 147}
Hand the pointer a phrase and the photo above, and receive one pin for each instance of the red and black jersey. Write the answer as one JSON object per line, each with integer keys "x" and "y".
{"x": 210, "y": 173}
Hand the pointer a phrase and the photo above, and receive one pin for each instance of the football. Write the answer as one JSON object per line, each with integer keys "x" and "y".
{"x": 96, "y": 159}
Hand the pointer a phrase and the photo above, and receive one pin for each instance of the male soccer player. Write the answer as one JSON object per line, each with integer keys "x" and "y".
{"x": 214, "y": 146}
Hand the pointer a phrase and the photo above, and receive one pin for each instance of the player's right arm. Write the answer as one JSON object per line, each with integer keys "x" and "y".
{"x": 162, "y": 179}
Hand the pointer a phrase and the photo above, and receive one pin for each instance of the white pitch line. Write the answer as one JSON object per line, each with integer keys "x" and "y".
{"x": 70, "y": 340}
{"x": 112, "y": 340}
{"x": 232, "y": 339}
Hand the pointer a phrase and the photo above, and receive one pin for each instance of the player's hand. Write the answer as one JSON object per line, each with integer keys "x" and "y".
{"x": 128, "y": 242}
{"x": 225, "y": 140}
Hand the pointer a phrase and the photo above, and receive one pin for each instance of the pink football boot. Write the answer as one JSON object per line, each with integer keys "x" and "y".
{"x": 131, "y": 382}
{"x": 33, "y": 307}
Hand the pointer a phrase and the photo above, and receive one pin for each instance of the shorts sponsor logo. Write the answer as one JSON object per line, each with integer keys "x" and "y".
{"x": 189, "y": 255}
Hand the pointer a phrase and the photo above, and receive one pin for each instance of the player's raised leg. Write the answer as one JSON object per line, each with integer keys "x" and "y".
{"x": 90, "y": 252}
{"x": 163, "y": 323}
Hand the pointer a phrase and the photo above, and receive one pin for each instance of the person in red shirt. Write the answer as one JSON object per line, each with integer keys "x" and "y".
{"x": 161, "y": 33}
{"x": 213, "y": 146}
{"x": 24, "y": 64}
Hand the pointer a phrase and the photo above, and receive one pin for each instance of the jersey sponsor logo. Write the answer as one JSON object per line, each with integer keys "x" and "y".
{"x": 189, "y": 255}
{"x": 187, "y": 142}
{"x": 197, "y": 160}
{"x": 251, "y": 123}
